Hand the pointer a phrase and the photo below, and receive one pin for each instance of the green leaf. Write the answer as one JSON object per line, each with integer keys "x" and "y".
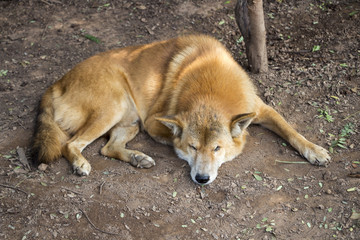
{"x": 3, "y": 72}
{"x": 353, "y": 13}
{"x": 92, "y": 38}
{"x": 269, "y": 229}
{"x": 241, "y": 39}
{"x": 342, "y": 146}
{"x": 316, "y": 48}
{"x": 12, "y": 227}
{"x": 222, "y": 22}
{"x": 257, "y": 177}
{"x": 271, "y": 15}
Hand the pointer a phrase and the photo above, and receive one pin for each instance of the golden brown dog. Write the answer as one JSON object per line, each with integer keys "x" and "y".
{"x": 187, "y": 92}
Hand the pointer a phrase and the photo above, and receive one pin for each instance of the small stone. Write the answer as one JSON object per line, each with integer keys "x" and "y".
{"x": 294, "y": 209}
{"x": 327, "y": 175}
{"x": 42, "y": 167}
{"x": 142, "y": 7}
{"x": 328, "y": 191}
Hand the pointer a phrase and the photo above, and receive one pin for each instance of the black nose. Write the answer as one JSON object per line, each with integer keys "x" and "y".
{"x": 202, "y": 179}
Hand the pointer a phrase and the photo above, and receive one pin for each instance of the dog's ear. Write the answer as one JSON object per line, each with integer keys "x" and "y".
{"x": 240, "y": 122}
{"x": 172, "y": 123}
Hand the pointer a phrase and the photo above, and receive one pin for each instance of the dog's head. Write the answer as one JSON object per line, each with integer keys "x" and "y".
{"x": 206, "y": 140}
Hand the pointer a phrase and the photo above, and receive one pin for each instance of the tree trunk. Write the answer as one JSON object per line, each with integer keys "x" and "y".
{"x": 249, "y": 16}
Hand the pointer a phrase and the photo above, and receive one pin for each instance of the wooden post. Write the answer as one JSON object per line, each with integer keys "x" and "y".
{"x": 249, "y": 16}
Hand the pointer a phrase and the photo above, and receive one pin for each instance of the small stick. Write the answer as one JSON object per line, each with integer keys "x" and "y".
{"x": 7, "y": 186}
{"x": 101, "y": 186}
{"x": 290, "y": 162}
{"x": 349, "y": 116}
{"x": 71, "y": 190}
{"x": 354, "y": 175}
{"x": 96, "y": 228}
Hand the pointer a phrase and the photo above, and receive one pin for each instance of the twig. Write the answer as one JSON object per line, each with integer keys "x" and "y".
{"x": 46, "y": 2}
{"x": 349, "y": 116}
{"x": 291, "y": 162}
{"x": 44, "y": 32}
{"x": 17, "y": 189}
{"x": 101, "y": 186}
{"x": 72, "y": 190}
{"x": 96, "y": 228}
{"x": 50, "y": 2}
{"x": 354, "y": 175}
{"x": 21, "y": 181}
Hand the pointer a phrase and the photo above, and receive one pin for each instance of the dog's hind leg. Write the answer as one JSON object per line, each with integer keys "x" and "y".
{"x": 116, "y": 146}
{"x": 95, "y": 126}
{"x": 269, "y": 118}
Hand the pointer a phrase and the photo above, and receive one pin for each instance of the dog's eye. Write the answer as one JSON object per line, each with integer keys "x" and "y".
{"x": 193, "y": 147}
{"x": 217, "y": 148}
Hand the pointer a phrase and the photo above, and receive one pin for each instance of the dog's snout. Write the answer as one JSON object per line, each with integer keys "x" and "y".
{"x": 202, "y": 179}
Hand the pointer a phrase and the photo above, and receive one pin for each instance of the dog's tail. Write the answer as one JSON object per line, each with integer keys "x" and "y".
{"x": 49, "y": 137}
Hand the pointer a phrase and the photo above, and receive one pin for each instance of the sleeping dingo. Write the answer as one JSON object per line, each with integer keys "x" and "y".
{"x": 187, "y": 92}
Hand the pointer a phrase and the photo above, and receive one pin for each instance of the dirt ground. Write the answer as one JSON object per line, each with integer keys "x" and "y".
{"x": 314, "y": 81}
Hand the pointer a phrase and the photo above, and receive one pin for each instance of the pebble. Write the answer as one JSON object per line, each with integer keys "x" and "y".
{"x": 42, "y": 167}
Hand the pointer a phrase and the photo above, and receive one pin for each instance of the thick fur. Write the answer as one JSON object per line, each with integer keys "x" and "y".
{"x": 187, "y": 92}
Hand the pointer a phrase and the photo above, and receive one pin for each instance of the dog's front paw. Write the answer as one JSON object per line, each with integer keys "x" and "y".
{"x": 141, "y": 160}
{"x": 82, "y": 169}
{"x": 317, "y": 155}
